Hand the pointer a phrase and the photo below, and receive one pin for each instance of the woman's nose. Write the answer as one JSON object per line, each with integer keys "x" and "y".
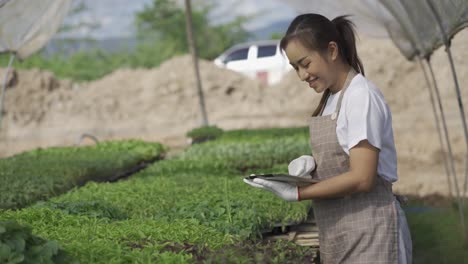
{"x": 303, "y": 74}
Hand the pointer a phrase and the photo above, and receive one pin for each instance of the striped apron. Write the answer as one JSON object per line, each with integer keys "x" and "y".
{"x": 358, "y": 228}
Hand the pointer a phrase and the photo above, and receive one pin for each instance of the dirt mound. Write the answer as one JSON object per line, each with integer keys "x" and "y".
{"x": 162, "y": 104}
{"x": 30, "y": 94}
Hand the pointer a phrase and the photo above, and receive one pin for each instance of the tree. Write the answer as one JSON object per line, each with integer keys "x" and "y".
{"x": 67, "y": 44}
{"x": 164, "y": 20}
{"x": 276, "y": 36}
{"x": 77, "y": 8}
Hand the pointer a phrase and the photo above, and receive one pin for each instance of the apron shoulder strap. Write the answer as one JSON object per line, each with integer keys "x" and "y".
{"x": 324, "y": 104}
{"x": 350, "y": 76}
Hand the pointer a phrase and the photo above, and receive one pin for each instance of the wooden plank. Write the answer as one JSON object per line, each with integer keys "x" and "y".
{"x": 307, "y": 236}
{"x": 308, "y": 243}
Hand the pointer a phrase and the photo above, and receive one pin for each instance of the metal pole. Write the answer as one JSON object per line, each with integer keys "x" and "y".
{"x": 457, "y": 89}
{"x": 439, "y": 129}
{"x": 449, "y": 146}
{"x": 412, "y": 35}
{"x": 193, "y": 51}
{"x": 12, "y": 58}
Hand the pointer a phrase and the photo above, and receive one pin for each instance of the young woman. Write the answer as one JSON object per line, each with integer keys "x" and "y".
{"x": 351, "y": 136}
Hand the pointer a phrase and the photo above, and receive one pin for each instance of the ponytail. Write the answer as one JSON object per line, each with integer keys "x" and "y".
{"x": 347, "y": 42}
{"x": 315, "y": 32}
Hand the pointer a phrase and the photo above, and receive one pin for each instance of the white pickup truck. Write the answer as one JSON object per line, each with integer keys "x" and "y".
{"x": 260, "y": 59}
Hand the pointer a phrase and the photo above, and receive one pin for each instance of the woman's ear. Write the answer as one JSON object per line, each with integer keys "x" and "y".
{"x": 333, "y": 50}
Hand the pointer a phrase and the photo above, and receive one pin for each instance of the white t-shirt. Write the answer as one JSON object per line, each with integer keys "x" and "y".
{"x": 364, "y": 114}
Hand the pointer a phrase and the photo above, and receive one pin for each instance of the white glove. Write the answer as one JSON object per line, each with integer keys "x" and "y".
{"x": 302, "y": 166}
{"x": 285, "y": 191}
{"x": 253, "y": 184}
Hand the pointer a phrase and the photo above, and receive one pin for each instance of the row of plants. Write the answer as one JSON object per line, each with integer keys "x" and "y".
{"x": 19, "y": 245}
{"x": 244, "y": 150}
{"x": 206, "y": 133}
{"x": 43, "y": 173}
{"x": 192, "y": 208}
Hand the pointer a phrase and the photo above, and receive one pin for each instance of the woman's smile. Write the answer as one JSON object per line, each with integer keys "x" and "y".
{"x": 312, "y": 82}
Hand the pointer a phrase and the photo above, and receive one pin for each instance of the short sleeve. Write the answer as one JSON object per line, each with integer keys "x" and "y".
{"x": 365, "y": 117}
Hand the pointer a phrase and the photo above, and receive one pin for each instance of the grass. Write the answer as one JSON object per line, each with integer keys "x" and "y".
{"x": 436, "y": 234}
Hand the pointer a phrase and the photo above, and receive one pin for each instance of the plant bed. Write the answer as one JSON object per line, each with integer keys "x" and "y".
{"x": 203, "y": 134}
{"x": 44, "y": 173}
{"x": 279, "y": 251}
{"x": 100, "y": 240}
{"x": 19, "y": 245}
{"x": 191, "y": 208}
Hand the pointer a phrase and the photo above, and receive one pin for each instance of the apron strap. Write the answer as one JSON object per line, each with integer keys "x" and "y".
{"x": 323, "y": 106}
{"x": 350, "y": 76}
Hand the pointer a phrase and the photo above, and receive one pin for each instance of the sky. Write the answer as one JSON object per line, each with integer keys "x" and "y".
{"x": 115, "y": 17}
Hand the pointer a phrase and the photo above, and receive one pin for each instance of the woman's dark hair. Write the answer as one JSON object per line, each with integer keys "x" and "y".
{"x": 315, "y": 32}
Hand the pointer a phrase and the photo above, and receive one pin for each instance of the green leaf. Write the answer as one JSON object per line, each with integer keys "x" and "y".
{"x": 5, "y": 251}
{"x": 16, "y": 258}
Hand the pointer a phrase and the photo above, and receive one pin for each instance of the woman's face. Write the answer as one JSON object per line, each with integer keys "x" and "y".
{"x": 312, "y": 67}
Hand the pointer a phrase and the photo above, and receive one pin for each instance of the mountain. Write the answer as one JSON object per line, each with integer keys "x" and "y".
{"x": 69, "y": 46}
{"x": 278, "y": 27}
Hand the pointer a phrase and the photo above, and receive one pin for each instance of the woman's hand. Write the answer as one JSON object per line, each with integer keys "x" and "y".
{"x": 285, "y": 191}
{"x": 302, "y": 166}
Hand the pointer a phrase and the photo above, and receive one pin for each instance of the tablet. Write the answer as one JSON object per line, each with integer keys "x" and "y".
{"x": 298, "y": 181}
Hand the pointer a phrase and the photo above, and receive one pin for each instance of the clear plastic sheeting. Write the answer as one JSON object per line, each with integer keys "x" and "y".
{"x": 2, "y": 2}
{"x": 26, "y": 26}
{"x": 412, "y": 25}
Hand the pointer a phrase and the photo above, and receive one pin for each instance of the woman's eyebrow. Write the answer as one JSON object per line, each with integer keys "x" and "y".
{"x": 299, "y": 61}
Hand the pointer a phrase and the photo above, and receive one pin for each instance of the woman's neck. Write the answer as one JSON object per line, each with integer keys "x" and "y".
{"x": 342, "y": 76}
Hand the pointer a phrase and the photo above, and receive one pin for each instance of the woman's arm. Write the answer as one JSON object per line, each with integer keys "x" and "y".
{"x": 361, "y": 176}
